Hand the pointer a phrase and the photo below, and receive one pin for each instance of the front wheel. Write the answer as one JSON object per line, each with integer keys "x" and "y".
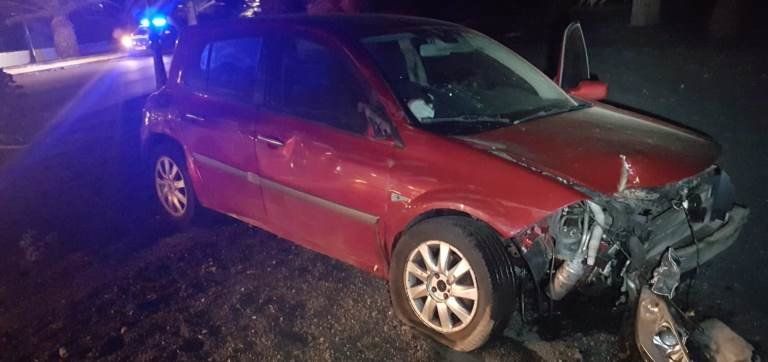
{"x": 452, "y": 278}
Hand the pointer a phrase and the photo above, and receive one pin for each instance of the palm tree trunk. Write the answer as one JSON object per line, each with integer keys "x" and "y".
{"x": 316, "y": 7}
{"x": 728, "y": 18}
{"x": 335, "y": 6}
{"x": 645, "y": 12}
{"x": 64, "y": 37}
{"x": 191, "y": 13}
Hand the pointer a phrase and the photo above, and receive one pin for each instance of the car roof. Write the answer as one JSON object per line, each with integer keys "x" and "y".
{"x": 358, "y": 25}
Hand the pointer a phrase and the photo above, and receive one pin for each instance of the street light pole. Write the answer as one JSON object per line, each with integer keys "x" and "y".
{"x": 157, "y": 54}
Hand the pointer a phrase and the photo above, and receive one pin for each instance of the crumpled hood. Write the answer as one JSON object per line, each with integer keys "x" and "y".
{"x": 602, "y": 148}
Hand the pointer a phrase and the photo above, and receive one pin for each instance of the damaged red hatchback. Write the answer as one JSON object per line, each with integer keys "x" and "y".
{"x": 431, "y": 155}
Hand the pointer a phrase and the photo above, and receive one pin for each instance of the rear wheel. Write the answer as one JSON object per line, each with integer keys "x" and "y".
{"x": 452, "y": 278}
{"x": 175, "y": 197}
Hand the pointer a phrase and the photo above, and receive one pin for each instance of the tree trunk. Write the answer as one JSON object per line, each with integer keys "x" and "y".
{"x": 645, "y": 12}
{"x": 30, "y": 46}
{"x": 282, "y": 6}
{"x": 335, "y": 6}
{"x": 728, "y": 18}
{"x": 191, "y": 13}
{"x": 317, "y": 7}
{"x": 64, "y": 37}
{"x": 353, "y": 6}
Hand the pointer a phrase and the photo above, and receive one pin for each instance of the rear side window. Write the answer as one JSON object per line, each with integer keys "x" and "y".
{"x": 230, "y": 69}
{"x": 318, "y": 84}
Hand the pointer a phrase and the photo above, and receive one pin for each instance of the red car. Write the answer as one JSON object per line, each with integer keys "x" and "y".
{"x": 428, "y": 154}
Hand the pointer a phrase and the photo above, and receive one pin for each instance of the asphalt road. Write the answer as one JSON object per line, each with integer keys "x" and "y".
{"x": 81, "y": 89}
{"x": 107, "y": 282}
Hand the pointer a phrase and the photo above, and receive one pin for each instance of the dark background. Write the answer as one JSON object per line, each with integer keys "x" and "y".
{"x": 84, "y": 269}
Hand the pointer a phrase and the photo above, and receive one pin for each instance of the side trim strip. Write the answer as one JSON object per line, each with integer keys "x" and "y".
{"x": 338, "y": 208}
{"x": 258, "y": 180}
{"x": 226, "y": 168}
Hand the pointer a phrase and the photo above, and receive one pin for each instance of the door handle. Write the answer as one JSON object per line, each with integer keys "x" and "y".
{"x": 270, "y": 141}
{"x": 194, "y": 117}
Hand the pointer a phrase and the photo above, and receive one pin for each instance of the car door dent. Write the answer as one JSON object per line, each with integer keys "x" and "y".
{"x": 256, "y": 179}
{"x": 251, "y": 177}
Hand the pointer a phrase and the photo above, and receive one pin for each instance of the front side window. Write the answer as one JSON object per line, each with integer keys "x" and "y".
{"x": 229, "y": 69}
{"x": 454, "y": 80}
{"x": 318, "y": 84}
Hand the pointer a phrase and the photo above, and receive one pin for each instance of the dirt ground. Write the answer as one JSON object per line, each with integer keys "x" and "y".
{"x": 85, "y": 272}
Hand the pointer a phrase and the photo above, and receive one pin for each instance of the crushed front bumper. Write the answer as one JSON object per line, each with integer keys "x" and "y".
{"x": 661, "y": 332}
{"x": 714, "y": 243}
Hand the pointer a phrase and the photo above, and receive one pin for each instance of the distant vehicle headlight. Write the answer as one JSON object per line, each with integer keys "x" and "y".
{"x": 126, "y": 41}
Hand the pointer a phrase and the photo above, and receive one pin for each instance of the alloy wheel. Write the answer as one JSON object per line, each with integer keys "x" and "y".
{"x": 441, "y": 286}
{"x": 171, "y": 186}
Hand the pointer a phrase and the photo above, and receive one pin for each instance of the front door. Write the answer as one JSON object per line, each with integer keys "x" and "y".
{"x": 573, "y": 64}
{"x": 223, "y": 88}
{"x": 324, "y": 178}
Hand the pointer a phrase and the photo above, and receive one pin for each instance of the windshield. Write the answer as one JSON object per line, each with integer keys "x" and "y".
{"x": 457, "y": 80}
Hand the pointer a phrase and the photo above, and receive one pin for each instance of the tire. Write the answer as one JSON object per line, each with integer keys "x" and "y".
{"x": 490, "y": 273}
{"x": 167, "y": 167}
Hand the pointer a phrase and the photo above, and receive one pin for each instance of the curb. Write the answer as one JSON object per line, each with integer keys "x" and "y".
{"x": 12, "y": 147}
{"x": 32, "y": 68}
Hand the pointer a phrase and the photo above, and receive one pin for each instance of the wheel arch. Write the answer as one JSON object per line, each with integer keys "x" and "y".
{"x": 504, "y": 217}
{"x": 429, "y": 214}
{"x": 155, "y": 140}
{"x": 440, "y": 211}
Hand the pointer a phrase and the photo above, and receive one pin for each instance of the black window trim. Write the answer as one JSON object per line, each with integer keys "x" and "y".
{"x": 208, "y": 43}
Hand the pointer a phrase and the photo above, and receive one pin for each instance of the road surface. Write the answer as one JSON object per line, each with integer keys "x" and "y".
{"x": 81, "y": 89}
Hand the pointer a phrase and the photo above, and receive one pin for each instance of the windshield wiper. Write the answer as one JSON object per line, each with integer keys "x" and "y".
{"x": 467, "y": 118}
{"x": 551, "y": 112}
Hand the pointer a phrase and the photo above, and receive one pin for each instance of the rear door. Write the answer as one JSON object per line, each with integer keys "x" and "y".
{"x": 324, "y": 176}
{"x": 223, "y": 89}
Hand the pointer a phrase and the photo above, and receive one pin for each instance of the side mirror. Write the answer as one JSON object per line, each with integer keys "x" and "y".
{"x": 591, "y": 90}
{"x": 381, "y": 126}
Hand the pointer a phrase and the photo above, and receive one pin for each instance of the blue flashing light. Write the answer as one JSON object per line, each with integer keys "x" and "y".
{"x": 144, "y": 22}
{"x": 159, "y": 22}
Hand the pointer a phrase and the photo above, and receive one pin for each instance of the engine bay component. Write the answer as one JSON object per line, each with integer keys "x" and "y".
{"x": 639, "y": 240}
{"x": 597, "y": 231}
{"x": 569, "y": 229}
{"x": 566, "y": 278}
{"x": 572, "y": 270}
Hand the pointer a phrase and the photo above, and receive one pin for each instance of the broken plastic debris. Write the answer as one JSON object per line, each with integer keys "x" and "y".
{"x": 721, "y": 343}
{"x": 666, "y": 277}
